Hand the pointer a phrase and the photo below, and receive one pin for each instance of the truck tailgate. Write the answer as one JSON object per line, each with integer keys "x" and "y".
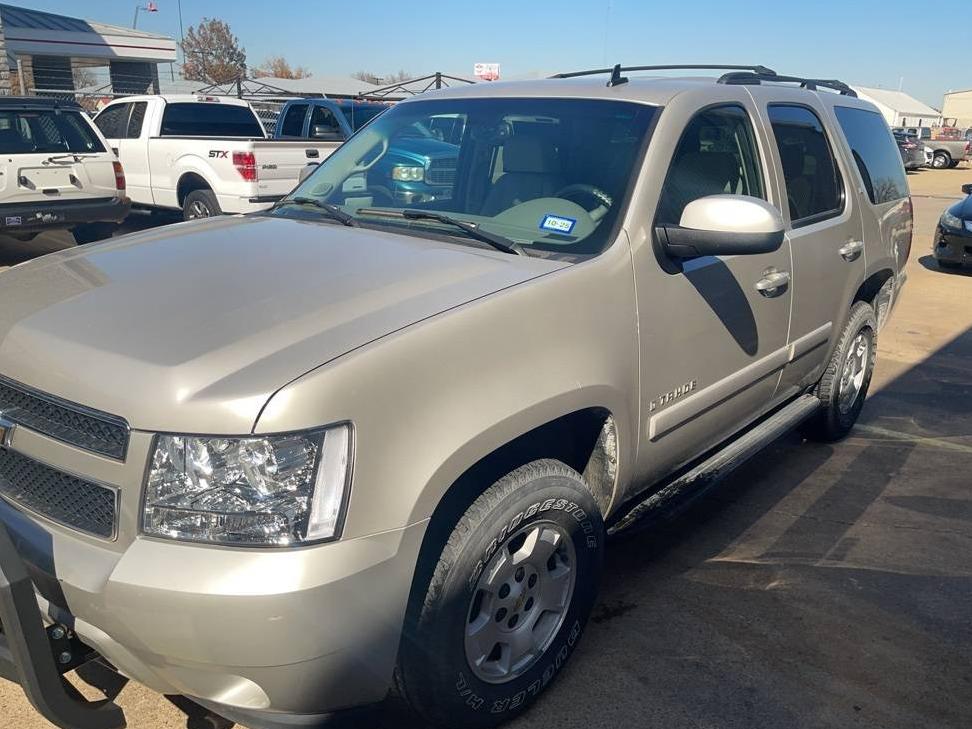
{"x": 279, "y": 162}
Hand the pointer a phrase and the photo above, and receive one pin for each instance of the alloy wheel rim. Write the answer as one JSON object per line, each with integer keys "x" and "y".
{"x": 853, "y": 372}
{"x": 520, "y": 602}
{"x": 198, "y": 210}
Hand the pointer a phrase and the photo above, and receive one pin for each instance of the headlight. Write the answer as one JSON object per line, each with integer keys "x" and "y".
{"x": 951, "y": 221}
{"x": 275, "y": 490}
{"x": 408, "y": 174}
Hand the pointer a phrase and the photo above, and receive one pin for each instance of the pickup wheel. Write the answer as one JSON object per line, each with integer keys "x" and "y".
{"x": 941, "y": 160}
{"x": 200, "y": 204}
{"x": 844, "y": 384}
{"x": 507, "y": 600}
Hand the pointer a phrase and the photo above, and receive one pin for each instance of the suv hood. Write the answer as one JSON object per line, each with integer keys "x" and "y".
{"x": 193, "y": 327}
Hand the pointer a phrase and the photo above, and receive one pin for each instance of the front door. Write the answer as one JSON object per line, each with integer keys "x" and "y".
{"x": 713, "y": 332}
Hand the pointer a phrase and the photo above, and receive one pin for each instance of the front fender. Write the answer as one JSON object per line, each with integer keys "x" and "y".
{"x": 429, "y": 401}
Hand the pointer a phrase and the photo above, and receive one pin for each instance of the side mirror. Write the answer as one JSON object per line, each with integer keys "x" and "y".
{"x": 967, "y": 188}
{"x": 328, "y": 134}
{"x": 723, "y": 225}
{"x": 305, "y": 172}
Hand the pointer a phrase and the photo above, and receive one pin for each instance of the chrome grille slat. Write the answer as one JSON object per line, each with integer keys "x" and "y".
{"x": 58, "y": 496}
{"x": 72, "y": 424}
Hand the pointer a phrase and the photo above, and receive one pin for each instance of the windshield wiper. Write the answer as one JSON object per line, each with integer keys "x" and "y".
{"x": 75, "y": 157}
{"x": 498, "y": 242}
{"x": 333, "y": 211}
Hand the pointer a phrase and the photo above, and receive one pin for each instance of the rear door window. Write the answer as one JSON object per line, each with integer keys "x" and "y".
{"x": 111, "y": 121}
{"x": 293, "y": 121}
{"x": 814, "y": 188}
{"x": 716, "y": 155}
{"x": 42, "y": 130}
{"x": 875, "y": 153}
{"x": 209, "y": 119}
{"x": 136, "y": 119}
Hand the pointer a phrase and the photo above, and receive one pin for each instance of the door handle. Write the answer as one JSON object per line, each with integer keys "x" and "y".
{"x": 851, "y": 250}
{"x": 312, "y": 153}
{"x": 773, "y": 284}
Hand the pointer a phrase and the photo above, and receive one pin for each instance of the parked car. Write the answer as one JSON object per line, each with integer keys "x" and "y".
{"x": 204, "y": 155}
{"x": 351, "y": 443}
{"x": 953, "y": 239}
{"x": 56, "y": 172}
{"x": 945, "y": 152}
{"x": 419, "y": 166}
{"x": 912, "y": 151}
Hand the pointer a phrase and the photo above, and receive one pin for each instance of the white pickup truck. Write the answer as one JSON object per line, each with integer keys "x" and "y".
{"x": 204, "y": 155}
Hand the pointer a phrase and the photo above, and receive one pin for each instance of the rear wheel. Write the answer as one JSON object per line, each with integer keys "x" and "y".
{"x": 93, "y": 232}
{"x": 941, "y": 160}
{"x": 507, "y": 600}
{"x": 844, "y": 384}
{"x": 200, "y": 204}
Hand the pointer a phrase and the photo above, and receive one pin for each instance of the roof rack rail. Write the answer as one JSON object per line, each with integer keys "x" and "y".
{"x": 811, "y": 84}
{"x": 617, "y": 70}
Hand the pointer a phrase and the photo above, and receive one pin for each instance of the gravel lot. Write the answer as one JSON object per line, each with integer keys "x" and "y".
{"x": 821, "y": 586}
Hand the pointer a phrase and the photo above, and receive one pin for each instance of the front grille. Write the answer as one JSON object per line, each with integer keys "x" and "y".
{"x": 441, "y": 172}
{"x": 56, "y": 495}
{"x": 88, "y": 429}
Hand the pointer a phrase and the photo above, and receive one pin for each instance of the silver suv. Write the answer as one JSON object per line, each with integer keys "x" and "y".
{"x": 284, "y": 464}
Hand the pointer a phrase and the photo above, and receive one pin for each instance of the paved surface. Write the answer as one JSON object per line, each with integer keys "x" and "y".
{"x": 821, "y": 586}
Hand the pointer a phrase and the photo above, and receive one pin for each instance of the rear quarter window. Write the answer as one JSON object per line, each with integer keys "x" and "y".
{"x": 209, "y": 119}
{"x": 875, "y": 153}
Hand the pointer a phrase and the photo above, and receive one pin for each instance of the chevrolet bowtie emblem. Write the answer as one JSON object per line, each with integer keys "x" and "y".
{"x": 6, "y": 431}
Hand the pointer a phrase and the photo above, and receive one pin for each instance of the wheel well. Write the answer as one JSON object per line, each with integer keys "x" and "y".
{"x": 944, "y": 152}
{"x": 876, "y": 290}
{"x": 188, "y": 183}
{"x": 586, "y": 440}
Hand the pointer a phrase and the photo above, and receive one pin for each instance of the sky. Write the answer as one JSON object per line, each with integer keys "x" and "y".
{"x": 863, "y": 42}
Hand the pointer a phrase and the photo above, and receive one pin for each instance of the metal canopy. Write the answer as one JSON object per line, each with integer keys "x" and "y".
{"x": 415, "y": 86}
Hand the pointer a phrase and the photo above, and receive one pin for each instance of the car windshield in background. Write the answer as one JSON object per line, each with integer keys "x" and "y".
{"x": 209, "y": 120}
{"x": 28, "y": 131}
{"x": 548, "y": 174}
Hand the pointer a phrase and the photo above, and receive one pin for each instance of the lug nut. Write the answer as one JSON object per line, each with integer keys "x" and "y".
{"x": 58, "y": 633}
{"x": 65, "y": 658}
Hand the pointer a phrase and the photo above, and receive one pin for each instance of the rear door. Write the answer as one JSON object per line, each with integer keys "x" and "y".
{"x": 823, "y": 226}
{"x": 52, "y": 155}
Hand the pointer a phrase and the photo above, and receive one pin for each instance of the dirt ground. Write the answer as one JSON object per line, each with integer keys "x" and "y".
{"x": 820, "y": 586}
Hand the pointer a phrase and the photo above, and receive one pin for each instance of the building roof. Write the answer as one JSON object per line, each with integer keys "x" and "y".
{"x": 18, "y": 17}
{"x": 898, "y": 101}
{"x": 325, "y": 85}
{"x": 36, "y": 33}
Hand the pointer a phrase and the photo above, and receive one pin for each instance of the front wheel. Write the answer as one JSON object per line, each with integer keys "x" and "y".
{"x": 507, "y": 600}
{"x": 845, "y": 382}
{"x": 200, "y": 204}
{"x": 941, "y": 160}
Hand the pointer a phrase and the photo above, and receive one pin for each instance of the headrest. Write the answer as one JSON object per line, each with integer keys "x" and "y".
{"x": 530, "y": 154}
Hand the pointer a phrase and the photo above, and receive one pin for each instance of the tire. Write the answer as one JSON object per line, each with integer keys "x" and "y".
{"x": 941, "y": 160}
{"x": 200, "y": 204}
{"x": 477, "y": 594}
{"x": 841, "y": 390}
{"x": 953, "y": 164}
{"x": 93, "y": 232}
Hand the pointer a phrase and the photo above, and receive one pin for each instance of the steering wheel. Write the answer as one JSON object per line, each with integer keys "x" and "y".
{"x": 583, "y": 195}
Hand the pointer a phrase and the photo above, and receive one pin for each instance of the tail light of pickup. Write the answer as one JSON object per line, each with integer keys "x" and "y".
{"x": 119, "y": 176}
{"x": 245, "y": 164}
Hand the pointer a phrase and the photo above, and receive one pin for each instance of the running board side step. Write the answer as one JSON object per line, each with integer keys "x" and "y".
{"x": 694, "y": 483}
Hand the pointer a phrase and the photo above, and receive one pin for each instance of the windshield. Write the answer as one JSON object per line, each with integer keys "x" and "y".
{"x": 547, "y": 174}
{"x": 55, "y": 130}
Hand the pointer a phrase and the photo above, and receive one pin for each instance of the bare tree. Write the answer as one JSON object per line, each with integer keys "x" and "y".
{"x": 213, "y": 53}
{"x": 373, "y": 78}
{"x": 83, "y": 77}
{"x": 279, "y": 67}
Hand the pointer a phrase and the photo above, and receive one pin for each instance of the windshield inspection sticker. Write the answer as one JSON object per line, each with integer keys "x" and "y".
{"x": 557, "y": 224}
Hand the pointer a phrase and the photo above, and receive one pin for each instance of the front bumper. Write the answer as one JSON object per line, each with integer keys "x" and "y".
{"x": 269, "y": 633}
{"x": 35, "y": 217}
{"x": 36, "y": 658}
{"x": 952, "y": 245}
